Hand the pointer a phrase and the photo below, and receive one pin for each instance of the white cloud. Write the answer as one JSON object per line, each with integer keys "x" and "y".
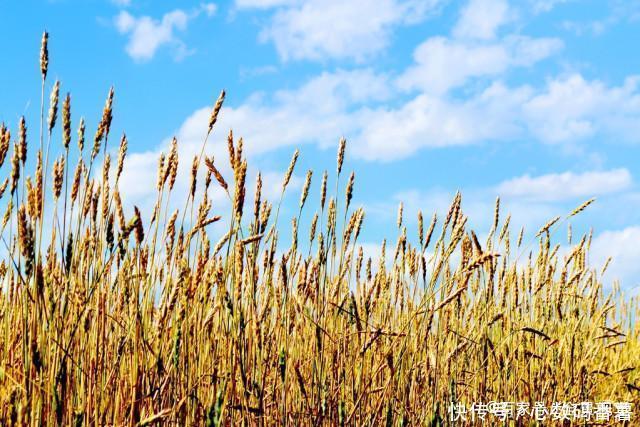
{"x": 480, "y": 19}
{"x": 147, "y": 35}
{"x": 320, "y": 29}
{"x": 572, "y": 108}
{"x": 622, "y": 246}
{"x": 317, "y": 112}
{"x": 442, "y": 64}
{"x": 336, "y": 104}
{"x": 567, "y": 110}
{"x": 567, "y": 185}
{"x": 445, "y": 63}
{"x": 431, "y": 121}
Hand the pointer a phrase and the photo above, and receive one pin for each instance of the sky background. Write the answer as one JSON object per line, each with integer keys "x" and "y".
{"x": 537, "y": 101}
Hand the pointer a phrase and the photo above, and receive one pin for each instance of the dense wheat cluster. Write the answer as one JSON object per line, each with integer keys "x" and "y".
{"x": 152, "y": 318}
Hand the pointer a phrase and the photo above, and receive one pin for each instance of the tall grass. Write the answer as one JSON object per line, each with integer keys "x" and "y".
{"x": 153, "y": 319}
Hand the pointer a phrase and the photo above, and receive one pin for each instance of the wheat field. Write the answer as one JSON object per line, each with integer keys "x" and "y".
{"x": 155, "y": 319}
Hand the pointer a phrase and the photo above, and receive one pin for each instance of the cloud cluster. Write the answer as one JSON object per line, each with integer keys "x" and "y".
{"x": 337, "y": 29}
{"x": 480, "y": 19}
{"x": 442, "y": 64}
{"x": 566, "y": 185}
{"x": 147, "y": 35}
{"x": 427, "y": 109}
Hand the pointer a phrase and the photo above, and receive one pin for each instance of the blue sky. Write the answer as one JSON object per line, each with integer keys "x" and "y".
{"x": 537, "y": 101}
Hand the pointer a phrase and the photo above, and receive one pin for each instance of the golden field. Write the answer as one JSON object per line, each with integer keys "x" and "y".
{"x": 154, "y": 319}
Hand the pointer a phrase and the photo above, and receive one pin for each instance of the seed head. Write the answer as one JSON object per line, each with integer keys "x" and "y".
{"x": 107, "y": 112}
{"x": 420, "y": 228}
{"x": 323, "y": 190}
{"x": 496, "y": 215}
{"x": 159, "y": 181}
{"x": 239, "y": 193}
{"x": 582, "y": 207}
{"x": 122, "y": 153}
{"x": 58, "y": 175}
{"x": 44, "y": 55}
{"x": 15, "y": 167}
{"x": 39, "y": 184}
{"x": 292, "y": 165}
{"x": 138, "y": 229}
{"x": 119, "y": 209}
{"x": 231, "y": 149}
{"x": 547, "y": 226}
{"x": 305, "y": 188}
{"x": 66, "y": 121}
{"x": 257, "y": 197}
{"x": 3, "y": 187}
{"x": 209, "y": 164}
{"x": 25, "y": 238}
{"x": 76, "y": 181}
{"x": 312, "y": 228}
{"x": 173, "y": 163}
{"x": 216, "y": 109}
{"x": 341, "y": 148}
{"x": 53, "y": 106}
{"x": 349, "y": 190}
{"x": 5, "y": 137}
{"x": 194, "y": 175}
{"x": 81, "y": 135}
{"x": 238, "y": 155}
{"x": 22, "y": 141}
